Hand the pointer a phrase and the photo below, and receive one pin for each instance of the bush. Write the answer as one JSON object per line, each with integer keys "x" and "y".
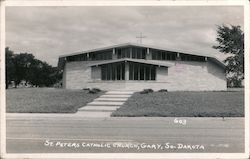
{"x": 58, "y": 84}
{"x": 146, "y": 91}
{"x": 163, "y": 90}
{"x": 86, "y": 89}
{"x": 94, "y": 91}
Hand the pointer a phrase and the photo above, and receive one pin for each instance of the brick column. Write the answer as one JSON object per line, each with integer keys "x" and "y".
{"x": 148, "y": 55}
{"x": 114, "y": 55}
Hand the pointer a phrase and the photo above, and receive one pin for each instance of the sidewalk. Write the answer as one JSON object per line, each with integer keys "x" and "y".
{"x": 78, "y": 116}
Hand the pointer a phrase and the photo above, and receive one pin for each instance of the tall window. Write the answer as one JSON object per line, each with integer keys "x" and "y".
{"x": 139, "y": 71}
{"x": 131, "y": 52}
{"x": 114, "y": 71}
{"x": 163, "y": 55}
{"x": 123, "y": 53}
{"x": 187, "y": 57}
{"x": 101, "y": 55}
{"x": 139, "y": 53}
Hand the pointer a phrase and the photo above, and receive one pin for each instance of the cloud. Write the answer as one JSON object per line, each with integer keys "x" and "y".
{"x": 49, "y": 32}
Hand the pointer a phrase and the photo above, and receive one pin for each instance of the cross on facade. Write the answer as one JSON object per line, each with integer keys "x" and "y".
{"x": 140, "y": 37}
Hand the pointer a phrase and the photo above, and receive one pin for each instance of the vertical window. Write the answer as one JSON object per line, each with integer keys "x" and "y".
{"x": 113, "y": 71}
{"x": 158, "y": 55}
{"x": 136, "y": 67}
{"x": 137, "y": 71}
{"x": 123, "y": 70}
{"x": 104, "y": 72}
{"x": 147, "y": 73}
{"x": 164, "y": 56}
{"x": 133, "y": 53}
{"x": 144, "y": 53}
{"x": 131, "y": 71}
{"x": 119, "y": 71}
{"x": 119, "y": 54}
{"x": 153, "y": 72}
{"x": 154, "y": 55}
{"x": 141, "y": 72}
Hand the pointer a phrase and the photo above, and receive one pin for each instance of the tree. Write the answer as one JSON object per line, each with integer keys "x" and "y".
{"x": 22, "y": 63}
{"x": 10, "y": 67}
{"x": 231, "y": 41}
{"x": 25, "y": 67}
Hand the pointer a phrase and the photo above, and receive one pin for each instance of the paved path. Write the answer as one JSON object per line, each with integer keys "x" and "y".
{"x": 105, "y": 104}
{"x": 33, "y": 133}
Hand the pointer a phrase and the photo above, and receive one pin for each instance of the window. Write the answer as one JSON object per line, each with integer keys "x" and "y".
{"x": 138, "y": 71}
{"x": 152, "y": 73}
{"x": 114, "y": 71}
{"x": 123, "y": 53}
{"x": 163, "y": 55}
{"x": 100, "y": 55}
{"x": 187, "y": 57}
{"x": 142, "y": 72}
{"x": 131, "y": 52}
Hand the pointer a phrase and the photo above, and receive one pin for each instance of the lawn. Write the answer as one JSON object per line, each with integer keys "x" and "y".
{"x": 184, "y": 104}
{"x": 46, "y": 100}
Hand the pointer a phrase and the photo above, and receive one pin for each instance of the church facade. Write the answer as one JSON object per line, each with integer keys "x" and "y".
{"x": 136, "y": 67}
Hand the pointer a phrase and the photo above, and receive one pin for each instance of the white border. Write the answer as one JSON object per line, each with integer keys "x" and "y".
{"x": 2, "y": 79}
{"x": 244, "y": 3}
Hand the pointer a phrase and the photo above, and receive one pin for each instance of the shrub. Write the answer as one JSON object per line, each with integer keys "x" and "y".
{"x": 94, "y": 90}
{"x": 86, "y": 89}
{"x": 58, "y": 84}
{"x": 146, "y": 91}
{"x": 163, "y": 90}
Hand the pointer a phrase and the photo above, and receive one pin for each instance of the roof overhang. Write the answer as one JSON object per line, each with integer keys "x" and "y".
{"x": 218, "y": 62}
{"x": 142, "y": 61}
{"x": 136, "y": 45}
{"x": 212, "y": 58}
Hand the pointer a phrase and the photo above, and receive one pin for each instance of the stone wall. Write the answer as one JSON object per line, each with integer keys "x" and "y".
{"x": 187, "y": 76}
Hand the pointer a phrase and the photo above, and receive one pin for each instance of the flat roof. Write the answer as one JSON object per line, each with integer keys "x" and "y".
{"x": 136, "y": 45}
{"x": 213, "y": 58}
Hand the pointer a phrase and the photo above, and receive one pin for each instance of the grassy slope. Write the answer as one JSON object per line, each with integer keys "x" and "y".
{"x": 46, "y": 100}
{"x": 184, "y": 104}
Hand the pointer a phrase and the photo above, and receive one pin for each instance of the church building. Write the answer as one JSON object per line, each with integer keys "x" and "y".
{"x": 137, "y": 66}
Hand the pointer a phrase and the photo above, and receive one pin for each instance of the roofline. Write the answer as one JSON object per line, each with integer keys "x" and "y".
{"x": 220, "y": 63}
{"x": 141, "y": 45}
{"x": 132, "y": 60}
{"x": 133, "y": 44}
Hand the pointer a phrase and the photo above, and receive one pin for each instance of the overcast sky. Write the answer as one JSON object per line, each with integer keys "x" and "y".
{"x": 49, "y": 32}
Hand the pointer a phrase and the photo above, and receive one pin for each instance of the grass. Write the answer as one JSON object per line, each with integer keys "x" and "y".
{"x": 184, "y": 104}
{"x": 46, "y": 100}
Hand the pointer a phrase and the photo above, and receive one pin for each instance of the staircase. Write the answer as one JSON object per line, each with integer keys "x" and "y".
{"x": 105, "y": 104}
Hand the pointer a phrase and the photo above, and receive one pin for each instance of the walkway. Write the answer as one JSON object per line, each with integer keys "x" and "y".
{"x": 105, "y": 104}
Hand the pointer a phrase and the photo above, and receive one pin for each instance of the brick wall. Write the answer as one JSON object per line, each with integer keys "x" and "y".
{"x": 188, "y": 76}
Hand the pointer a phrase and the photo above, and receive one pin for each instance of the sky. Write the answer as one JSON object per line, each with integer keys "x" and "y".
{"x": 48, "y": 32}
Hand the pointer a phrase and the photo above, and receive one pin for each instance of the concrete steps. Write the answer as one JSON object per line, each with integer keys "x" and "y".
{"x": 111, "y": 99}
{"x": 105, "y": 104}
{"x": 115, "y": 96}
{"x": 120, "y": 92}
{"x": 98, "y": 108}
{"x": 114, "y": 103}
